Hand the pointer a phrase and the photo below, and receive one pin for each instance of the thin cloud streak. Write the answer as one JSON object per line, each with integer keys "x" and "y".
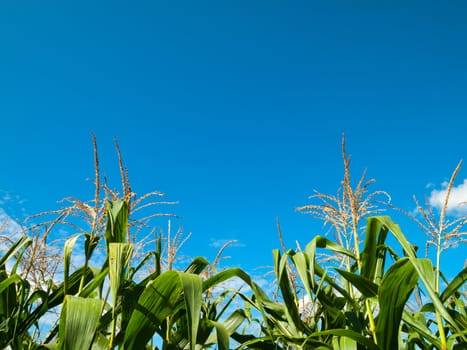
{"x": 219, "y": 243}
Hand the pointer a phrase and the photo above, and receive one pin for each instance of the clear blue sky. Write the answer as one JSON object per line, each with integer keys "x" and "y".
{"x": 234, "y": 108}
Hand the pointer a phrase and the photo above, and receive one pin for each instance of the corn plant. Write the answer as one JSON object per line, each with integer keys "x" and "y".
{"x": 359, "y": 296}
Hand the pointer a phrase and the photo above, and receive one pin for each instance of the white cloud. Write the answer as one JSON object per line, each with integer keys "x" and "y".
{"x": 8, "y": 226}
{"x": 457, "y": 197}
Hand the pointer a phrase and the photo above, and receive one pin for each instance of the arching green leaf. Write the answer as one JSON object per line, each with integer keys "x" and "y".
{"x": 365, "y": 286}
{"x": 454, "y": 285}
{"x": 160, "y": 299}
{"x": 396, "y": 287}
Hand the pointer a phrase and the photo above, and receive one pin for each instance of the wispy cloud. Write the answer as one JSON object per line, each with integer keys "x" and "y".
{"x": 457, "y": 199}
{"x": 8, "y": 226}
{"x": 5, "y": 198}
{"x": 219, "y": 243}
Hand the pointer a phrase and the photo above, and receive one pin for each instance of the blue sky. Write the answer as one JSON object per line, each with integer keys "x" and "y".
{"x": 234, "y": 108}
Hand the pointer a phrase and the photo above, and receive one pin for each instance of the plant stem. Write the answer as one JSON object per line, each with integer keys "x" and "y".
{"x": 442, "y": 334}
{"x": 439, "y": 319}
{"x": 114, "y": 327}
{"x": 440, "y": 236}
{"x": 371, "y": 319}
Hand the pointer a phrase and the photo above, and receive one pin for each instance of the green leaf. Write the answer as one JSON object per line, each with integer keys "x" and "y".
{"x": 57, "y": 296}
{"x": 161, "y": 299}
{"x": 90, "y": 243}
{"x": 426, "y": 268}
{"x": 302, "y": 263}
{"x": 141, "y": 264}
{"x": 155, "y": 304}
{"x": 365, "y": 286}
{"x": 360, "y": 339}
{"x": 231, "y": 273}
{"x": 454, "y": 285}
{"x": 67, "y": 250}
{"x": 396, "y": 287}
{"x": 420, "y": 266}
{"x": 373, "y": 254}
{"x": 19, "y": 246}
{"x": 288, "y": 295}
{"x": 5, "y": 283}
{"x": 322, "y": 242}
{"x": 344, "y": 343}
{"x": 117, "y": 221}
{"x": 8, "y": 297}
{"x": 100, "y": 342}
{"x": 418, "y": 323}
{"x": 234, "y": 321}
{"x": 96, "y": 282}
{"x": 192, "y": 291}
{"x": 119, "y": 261}
{"x": 197, "y": 265}
{"x": 261, "y": 301}
{"x": 78, "y": 322}
{"x": 222, "y": 335}
{"x": 307, "y": 269}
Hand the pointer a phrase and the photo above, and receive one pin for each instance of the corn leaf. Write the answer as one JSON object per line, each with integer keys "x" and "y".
{"x": 322, "y": 242}
{"x": 57, "y": 296}
{"x": 344, "y": 343}
{"x": 454, "y": 285}
{"x": 359, "y": 338}
{"x": 8, "y": 298}
{"x": 373, "y": 255}
{"x": 192, "y": 292}
{"x": 421, "y": 267}
{"x": 67, "y": 250}
{"x": 117, "y": 221}
{"x": 197, "y": 265}
{"x": 365, "y": 286}
{"x": 18, "y": 247}
{"x": 302, "y": 264}
{"x": 8, "y": 281}
{"x": 78, "y": 322}
{"x": 161, "y": 299}
{"x": 222, "y": 335}
{"x": 418, "y": 323}
{"x": 396, "y": 287}
{"x": 288, "y": 295}
{"x": 119, "y": 261}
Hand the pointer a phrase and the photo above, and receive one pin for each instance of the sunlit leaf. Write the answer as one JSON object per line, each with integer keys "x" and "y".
{"x": 117, "y": 221}
{"x": 67, "y": 250}
{"x": 18, "y": 247}
{"x": 365, "y": 286}
{"x": 420, "y": 266}
{"x": 396, "y": 287}
{"x": 119, "y": 261}
{"x": 162, "y": 298}
{"x": 454, "y": 285}
{"x": 222, "y": 335}
{"x": 78, "y": 322}
{"x": 192, "y": 289}
{"x": 373, "y": 255}
{"x": 288, "y": 295}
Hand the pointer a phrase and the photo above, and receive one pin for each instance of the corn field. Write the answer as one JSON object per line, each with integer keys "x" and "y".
{"x": 346, "y": 289}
